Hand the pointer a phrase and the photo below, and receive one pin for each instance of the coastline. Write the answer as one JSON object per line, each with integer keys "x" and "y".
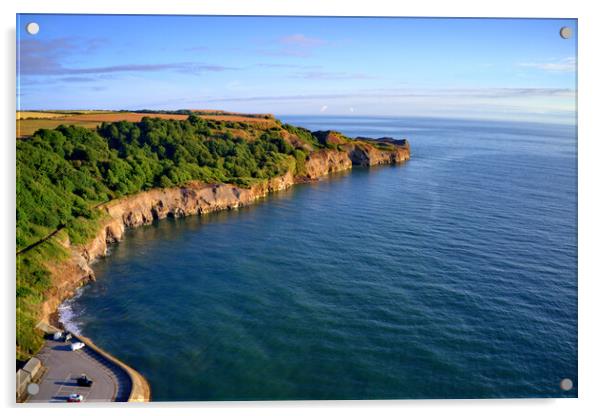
{"x": 194, "y": 199}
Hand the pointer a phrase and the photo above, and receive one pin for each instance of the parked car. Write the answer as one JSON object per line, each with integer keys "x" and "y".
{"x": 75, "y": 398}
{"x": 77, "y": 346}
{"x": 84, "y": 381}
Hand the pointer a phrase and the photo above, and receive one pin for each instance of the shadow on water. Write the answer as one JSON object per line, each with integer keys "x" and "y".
{"x": 172, "y": 228}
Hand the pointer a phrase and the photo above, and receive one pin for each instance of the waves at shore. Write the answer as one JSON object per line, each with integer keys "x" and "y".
{"x": 68, "y": 317}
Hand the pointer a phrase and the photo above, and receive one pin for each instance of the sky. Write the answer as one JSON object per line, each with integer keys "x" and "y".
{"x": 515, "y": 69}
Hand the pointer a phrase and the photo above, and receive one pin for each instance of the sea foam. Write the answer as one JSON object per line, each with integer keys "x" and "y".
{"x": 68, "y": 316}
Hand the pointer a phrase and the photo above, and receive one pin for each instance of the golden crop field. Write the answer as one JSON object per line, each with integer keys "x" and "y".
{"x": 21, "y": 115}
{"x": 28, "y": 122}
{"x": 56, "y": 113}
{"x": 26, "y": 128}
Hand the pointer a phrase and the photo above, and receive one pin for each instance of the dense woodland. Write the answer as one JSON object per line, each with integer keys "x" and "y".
{"x": 65, "y": 173}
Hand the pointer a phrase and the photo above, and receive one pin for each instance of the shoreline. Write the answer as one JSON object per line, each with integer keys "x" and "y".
{"x": 195, "y": 199}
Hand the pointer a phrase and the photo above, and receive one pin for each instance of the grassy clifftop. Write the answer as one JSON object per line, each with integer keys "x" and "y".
{"x": 65, "y": 174}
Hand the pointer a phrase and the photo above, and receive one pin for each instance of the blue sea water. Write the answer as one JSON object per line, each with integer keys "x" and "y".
{"x": 451, "y": 276}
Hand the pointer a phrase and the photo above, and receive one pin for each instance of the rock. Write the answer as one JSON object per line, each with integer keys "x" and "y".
{"x": 326, "y": 161}
{"x": 364, "y": 154}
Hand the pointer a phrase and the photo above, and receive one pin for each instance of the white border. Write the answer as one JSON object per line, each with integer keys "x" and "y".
{"x": 589, "y": 191}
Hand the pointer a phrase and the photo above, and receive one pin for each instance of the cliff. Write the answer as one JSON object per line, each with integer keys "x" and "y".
{"x": 140, "y": 209}
{"x": 196, "y": 199}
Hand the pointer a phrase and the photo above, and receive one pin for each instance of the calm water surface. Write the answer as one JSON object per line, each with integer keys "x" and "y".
{"x": 452, "y": 276}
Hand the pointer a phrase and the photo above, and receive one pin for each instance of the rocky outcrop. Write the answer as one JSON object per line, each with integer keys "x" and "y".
{"x": 363, "y": 151}
{"x": 326, "y": 161}
{"x": 355, "y": 152}
{"x": 194, "y": 199}
{"x": 364, "y": 154}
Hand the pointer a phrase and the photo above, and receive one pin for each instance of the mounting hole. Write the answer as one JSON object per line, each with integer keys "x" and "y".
{"x": 32, "y": 28}
{"x": 566, "y": 384}
{"x": 33, "y": 389}
{"x": 566, "y": 32}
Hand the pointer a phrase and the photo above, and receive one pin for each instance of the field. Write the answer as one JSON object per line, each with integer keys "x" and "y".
{"x": 28, "y": 122}
{"x": 21, "y": 115}
{"x": 26, "y": 128}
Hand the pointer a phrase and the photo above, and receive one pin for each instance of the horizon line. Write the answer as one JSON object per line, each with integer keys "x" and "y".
{"x": 573, "y": 121}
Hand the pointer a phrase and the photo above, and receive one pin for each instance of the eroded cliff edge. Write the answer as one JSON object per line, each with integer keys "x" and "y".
{"x": 199, "y": 198}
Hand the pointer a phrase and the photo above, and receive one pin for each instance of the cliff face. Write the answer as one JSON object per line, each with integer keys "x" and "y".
{"x": 367, "y": 155}
{"x": 358, "y": 153}
{"x": 323, "y": 162}
{"x": 141, "y": 209}
{"x": 194, "y": 199}
{"x": 156, "y": 204}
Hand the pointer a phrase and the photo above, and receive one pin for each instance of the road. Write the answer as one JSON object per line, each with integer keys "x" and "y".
{"x": 111, "y": 383}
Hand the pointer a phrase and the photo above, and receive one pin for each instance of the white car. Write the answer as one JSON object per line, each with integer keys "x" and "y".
{"x": 77, "y": 346}
{"x": 75, "y": 398}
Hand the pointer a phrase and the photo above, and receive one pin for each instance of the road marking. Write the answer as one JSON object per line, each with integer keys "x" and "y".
{"x": 63, "y": 385}
{"x": 104, "y": 368}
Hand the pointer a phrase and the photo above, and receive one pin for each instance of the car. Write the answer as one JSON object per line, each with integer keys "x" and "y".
{"x": 77, "y": 346}
{"x": 84, "y": 381}
{"x": 75, "y": 398}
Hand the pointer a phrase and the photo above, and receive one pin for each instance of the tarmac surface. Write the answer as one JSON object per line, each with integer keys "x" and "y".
{"x": 63, "y": 367}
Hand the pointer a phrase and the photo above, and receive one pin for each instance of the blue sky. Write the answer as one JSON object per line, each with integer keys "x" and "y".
{"x": 469, "y": 68}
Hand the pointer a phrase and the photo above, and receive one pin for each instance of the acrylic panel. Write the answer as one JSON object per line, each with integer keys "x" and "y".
{"x": 295, "y": 208}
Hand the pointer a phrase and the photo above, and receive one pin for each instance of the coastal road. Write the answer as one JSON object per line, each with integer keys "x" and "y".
{"x": 63, "y": 366}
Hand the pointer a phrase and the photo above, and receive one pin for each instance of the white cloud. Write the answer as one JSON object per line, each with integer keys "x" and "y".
{"x": 563, "y": 65}
{"x": 329, "y": 76}
{"x": 412, "y": 93}
{"x": 555, "y": 105}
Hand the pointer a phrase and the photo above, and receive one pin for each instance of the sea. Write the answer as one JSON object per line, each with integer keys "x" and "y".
{"x": 451, "y": 276}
